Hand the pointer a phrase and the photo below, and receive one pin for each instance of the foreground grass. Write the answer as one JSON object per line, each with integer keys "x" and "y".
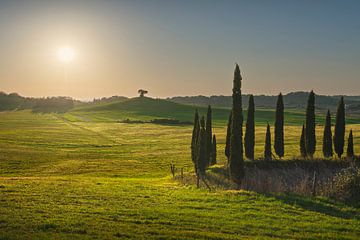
{"x": 83, "y": 179}
{"x": 104, "y": 208}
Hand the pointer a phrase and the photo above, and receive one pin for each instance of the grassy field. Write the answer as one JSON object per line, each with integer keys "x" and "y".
{"x": 148, "y": 108}
{"x": 82, "y": 175}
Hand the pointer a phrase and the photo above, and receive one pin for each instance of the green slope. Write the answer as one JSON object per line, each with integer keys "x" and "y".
{"x": 148, "y": 108}
{"x": 93, "y": 180}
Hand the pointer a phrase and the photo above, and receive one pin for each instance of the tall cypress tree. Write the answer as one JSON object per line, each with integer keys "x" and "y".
{"x": 201, "y": 155}
{"x": 209, "y": 136}
{"x": 214, "y": 151}
{"x": 339, "y": 134}
{"x": 310, "y": 138}
{"x": 194, "y": 140}
{"x": 327, "y": 138}
{"x": 228, "y": 138}
{"x": 249, "y": 140}
{"x": 302, "y": 143}
{"x": 236, "y": 166}
{"x": 350, "y": 148}
{"x": 267, "y": 150}
{"x": 279, "y": 127}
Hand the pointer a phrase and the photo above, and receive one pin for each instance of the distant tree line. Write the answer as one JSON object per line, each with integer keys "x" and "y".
{"x": 294, "y": 100}
{"x": 108, "y": 99}
{"x": 203, "y": 148}
{"x": 53, "y": 104}
{"x": 14, "y": 101}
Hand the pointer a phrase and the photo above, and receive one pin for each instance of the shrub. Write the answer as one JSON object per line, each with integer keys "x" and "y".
{"x": 346, "y": 185}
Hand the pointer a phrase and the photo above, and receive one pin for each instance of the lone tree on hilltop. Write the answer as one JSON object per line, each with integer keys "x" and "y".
{"x": 194, "y": 140}
{"x": 236, "y": 166}
{"x": 310, "y": 138}
{"x": 228, "y": 138}
{"x": 279, "y": 127}
{"x": 302, "y": 143}
{"x": 201, "y": 155}
{"x": 327, "y": 138}
{"x": 209, "y": 136}
{"x": 267, "y": 150}
{"x": 339, "y": 134}
{"x": 142, "y": 92}
{"x": 249, "y": 140}
{"x": 214, "y": 151}
{"x": 350, "y": 148}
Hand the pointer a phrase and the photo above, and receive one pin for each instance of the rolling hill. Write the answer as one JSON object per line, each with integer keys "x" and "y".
{"x": 144, "y": 108}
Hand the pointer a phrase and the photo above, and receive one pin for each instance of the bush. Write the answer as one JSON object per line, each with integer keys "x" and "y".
{"x": 346, "y": 185}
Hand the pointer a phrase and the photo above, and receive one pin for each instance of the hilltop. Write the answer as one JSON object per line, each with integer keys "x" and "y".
{"x": 145, "y": 108}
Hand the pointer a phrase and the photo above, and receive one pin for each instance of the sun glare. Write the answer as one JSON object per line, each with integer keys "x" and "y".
{"x": 66, "y": 54}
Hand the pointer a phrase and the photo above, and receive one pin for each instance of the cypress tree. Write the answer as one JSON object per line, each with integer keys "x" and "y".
{"x": 327, "y": 139}
{"x": 201, "y": 155}
{"x": 350, "y": 148}
{"x": 194, "y": 140}
{"x": 267, "y": 151}
{"x": 249, "y": 140}
{"x": 228, "y": 138}
{"x": 339, "y": 134}
{"x": 310, "y": 138}
{"x": 209, "y": 136}
{"x": 279, "y": 127}
{"x": 214, "y": 149}
{"x": 236, "y": 166}
{"x": 302, "y": 143}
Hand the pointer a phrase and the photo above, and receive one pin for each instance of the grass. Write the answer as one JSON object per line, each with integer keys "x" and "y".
{"x": 83, "y": 176}
{"x": 148, "y": 108}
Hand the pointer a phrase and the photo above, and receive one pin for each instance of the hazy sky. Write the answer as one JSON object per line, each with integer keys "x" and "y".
{"x": 179, "y": 47}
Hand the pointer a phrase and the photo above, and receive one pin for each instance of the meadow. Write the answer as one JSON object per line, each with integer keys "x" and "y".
{"x": 83, "y": 175}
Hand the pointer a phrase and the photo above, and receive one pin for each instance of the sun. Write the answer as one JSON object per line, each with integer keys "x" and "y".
{"x": 66, "y": 54}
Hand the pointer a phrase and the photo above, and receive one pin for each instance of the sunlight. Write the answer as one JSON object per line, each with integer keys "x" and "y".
{"x": 66, "y": 54}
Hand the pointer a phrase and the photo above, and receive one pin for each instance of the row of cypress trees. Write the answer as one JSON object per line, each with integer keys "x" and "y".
{"x": 308, "y": 136}
{"x": 249, "y": 139}
{"x": 203, "y": 143}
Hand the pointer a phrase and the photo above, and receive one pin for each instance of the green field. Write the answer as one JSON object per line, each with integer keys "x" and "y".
{"x": 83, "y": 175}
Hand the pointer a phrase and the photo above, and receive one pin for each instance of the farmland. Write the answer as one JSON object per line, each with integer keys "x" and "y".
{"x": 84, "y": 175}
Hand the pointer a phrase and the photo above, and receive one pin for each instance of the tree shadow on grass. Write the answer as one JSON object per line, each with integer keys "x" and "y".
{"x": 320, "y": 205}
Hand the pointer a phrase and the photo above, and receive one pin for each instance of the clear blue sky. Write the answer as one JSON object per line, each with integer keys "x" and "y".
{"x": 179, "y": 47}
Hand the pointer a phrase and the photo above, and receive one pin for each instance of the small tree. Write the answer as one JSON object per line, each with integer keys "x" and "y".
{"x": 302, "y": 143}
{"x": 339, "y": 134}
{"x": 142, "y": 92}
{"x": 327, "y": 138}
{"x": 209, "y": 136}
{"x": 350, "y": 148}
{"x": 228, "y": 138}
{"x": 214, "y": 151}
{"x": 236, "y": 165}
{"x": 279, "y": 127}
{"x": 194, "y": 140}
{"x": 267, "y": 151}
{"x": 310, "y": 137}
{"x": 249, "y": 140}
{"x": 201, "y": 155}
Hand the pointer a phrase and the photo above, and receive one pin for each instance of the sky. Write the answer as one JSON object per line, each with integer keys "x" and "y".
{"x": 178, "y": 48}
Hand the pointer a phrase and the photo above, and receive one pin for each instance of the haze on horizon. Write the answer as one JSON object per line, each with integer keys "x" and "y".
{"x": 179, "y": 47}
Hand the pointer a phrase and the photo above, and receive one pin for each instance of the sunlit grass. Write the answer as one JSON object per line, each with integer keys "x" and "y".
{"x": 67, "y": 178}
